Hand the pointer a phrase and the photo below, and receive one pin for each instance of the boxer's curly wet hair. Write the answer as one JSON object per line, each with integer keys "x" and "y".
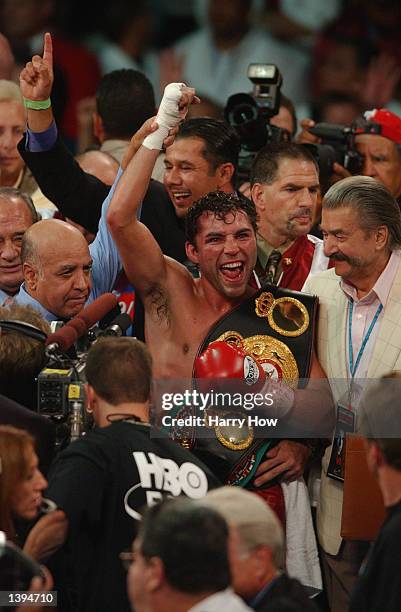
{"x": 221, "y": 205}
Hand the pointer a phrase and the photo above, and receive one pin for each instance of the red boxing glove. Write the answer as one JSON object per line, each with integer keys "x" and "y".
{"x": 222, "y": 360}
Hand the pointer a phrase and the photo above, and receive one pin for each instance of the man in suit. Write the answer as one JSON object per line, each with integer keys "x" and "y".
{"x": 359, "y": 336}
{"x": 257, "y": 552}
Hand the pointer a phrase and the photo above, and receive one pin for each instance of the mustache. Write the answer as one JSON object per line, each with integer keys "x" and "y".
{"x": 352, "y": 261}
{"x": 340, "y": 257}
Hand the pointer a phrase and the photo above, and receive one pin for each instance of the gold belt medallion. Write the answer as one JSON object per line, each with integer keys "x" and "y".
{"x": 228, "y": 429}
{"x": 274, "y": 356}
{"x": 286, "y": 315}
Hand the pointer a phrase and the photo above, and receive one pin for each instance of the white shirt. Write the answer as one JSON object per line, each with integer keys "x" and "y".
{"x": 364, "y": 311}
{"x": 222, "y": 601}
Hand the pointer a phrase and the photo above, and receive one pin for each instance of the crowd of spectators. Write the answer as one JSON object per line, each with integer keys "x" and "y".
{"x": 344, "y": 55}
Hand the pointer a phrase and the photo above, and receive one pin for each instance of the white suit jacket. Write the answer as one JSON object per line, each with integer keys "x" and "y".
{"x": 331, "y": 352}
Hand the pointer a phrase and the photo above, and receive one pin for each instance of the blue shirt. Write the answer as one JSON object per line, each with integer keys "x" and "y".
{"x": 4, "y": 296}
{"x": 24, "y": 299}
{"x": 104, "y": 253}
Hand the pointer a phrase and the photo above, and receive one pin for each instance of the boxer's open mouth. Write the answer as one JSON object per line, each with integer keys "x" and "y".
{"x": 232, "y": 270}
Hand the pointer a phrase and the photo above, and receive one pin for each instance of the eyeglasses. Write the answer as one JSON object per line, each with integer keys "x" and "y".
{"x": 127, "y": 557}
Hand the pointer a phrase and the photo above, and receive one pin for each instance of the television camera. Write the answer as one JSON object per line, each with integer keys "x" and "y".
{"x": 60, "y": 389}
{"x": 337, "y": 146}
{"x": 250, "y": 115}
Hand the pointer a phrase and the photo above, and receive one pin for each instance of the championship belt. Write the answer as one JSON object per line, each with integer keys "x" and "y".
{"x": 275, "y": 326}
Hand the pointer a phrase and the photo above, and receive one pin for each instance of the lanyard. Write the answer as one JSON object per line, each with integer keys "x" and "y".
{"x": 353, "y": 368}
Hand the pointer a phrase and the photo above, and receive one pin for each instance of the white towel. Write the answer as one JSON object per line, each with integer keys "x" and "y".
{"x": 302, "y": 556}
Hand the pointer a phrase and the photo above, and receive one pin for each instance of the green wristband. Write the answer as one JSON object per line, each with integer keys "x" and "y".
{"x": 37, "y": 104}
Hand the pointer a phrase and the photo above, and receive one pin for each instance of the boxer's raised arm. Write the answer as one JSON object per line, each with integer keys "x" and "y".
{"x": 142, "y": 257}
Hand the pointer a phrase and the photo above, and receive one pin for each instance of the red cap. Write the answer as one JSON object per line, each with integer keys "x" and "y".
{"x": 389, "y": 122}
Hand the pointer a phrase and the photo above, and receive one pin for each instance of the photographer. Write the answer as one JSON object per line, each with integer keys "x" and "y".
{"x": 378, "y": 141}
{"x": 260, "y": 117}
{"x": 22, "y": 355}
{"x": 286, "y": 118}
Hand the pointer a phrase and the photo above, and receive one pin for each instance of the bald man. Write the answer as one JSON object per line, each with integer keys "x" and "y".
{"x": 99, "y": 164}
{"x": 61, "y": 272}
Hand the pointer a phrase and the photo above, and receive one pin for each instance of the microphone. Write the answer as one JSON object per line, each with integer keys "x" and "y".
{"x": 66, "y": 336}
{"x": 109, "y": 318}
{"x": 62, "y": 339}
{"x": 118, "y": 326}
{"x": 98, "y": 309}
{"x": 78, "y": 324}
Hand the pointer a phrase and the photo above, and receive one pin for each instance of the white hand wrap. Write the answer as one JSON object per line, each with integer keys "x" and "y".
{"x": 168, "y": 116}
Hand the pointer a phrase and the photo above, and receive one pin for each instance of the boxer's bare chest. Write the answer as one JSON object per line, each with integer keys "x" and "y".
{"x": 174, "y": 340}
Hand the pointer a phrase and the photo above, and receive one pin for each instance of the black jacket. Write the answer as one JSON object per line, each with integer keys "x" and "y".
{"x": 80, "y": 196}
{"x": 285, "y": 595}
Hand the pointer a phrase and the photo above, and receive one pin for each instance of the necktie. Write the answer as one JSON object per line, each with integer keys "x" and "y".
{"x": 271, "y": 266}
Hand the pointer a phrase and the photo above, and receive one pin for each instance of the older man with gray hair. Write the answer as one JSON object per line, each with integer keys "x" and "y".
{"x": 17, "y": 214}
{"x": 257, "y": 552}
{"x": 359, "y": 338}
